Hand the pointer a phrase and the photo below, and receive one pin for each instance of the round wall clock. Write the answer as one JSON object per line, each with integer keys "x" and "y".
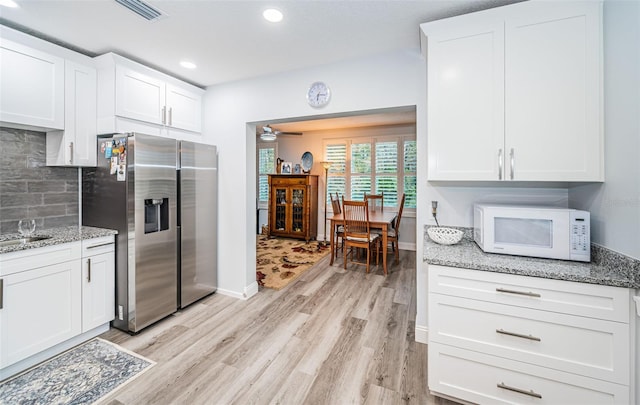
{"x": 318, "y": 94}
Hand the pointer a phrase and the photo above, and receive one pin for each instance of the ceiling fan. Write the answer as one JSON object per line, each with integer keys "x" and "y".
{"x": 269, "y": 134}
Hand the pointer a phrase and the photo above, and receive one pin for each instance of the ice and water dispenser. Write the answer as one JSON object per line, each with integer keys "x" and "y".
{"x": 156, "y": 214}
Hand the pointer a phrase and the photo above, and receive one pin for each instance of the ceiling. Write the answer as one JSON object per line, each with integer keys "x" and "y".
{"x": 229, "y": 40}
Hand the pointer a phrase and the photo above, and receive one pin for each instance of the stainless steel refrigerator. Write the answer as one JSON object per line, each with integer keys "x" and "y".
{"x": 160, "y": 194}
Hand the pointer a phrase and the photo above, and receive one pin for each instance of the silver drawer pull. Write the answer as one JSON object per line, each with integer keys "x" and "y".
{"x": 520, "y": 335}
{"x": 527, "y": 293}
{"x": 531, "y": 393}
{"x": 100, "y": 245}
{"x": 88, "y": 270}
{"x": 1, "y": 293}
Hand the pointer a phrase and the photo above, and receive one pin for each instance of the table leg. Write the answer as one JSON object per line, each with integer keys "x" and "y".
{"x": 332, "y": 242}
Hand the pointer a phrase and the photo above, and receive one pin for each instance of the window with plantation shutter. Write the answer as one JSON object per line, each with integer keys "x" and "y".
{"x": 266, "y": 165}
{"x": 385, "y": 164}
{"x": 336, "y": 182}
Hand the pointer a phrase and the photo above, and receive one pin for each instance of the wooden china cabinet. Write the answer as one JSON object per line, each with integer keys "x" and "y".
{"x": 293, "y": 206}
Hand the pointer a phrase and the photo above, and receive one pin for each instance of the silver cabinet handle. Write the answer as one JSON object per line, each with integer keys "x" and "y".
{"x": 530, "y": 337}
{"x": 164, "y": 114}
{"x": 1, "y": 293}
{"x": 70, "y": 153}
{"x": 89, "y": 270}
{"x": 512, "y": 159}
{"x": 527, "y": 293}
{"x": 531, "y": 393}
{"x": 170, "y": 115}
{"x": 500, "y": 163}
{"x": 100, "y": 245}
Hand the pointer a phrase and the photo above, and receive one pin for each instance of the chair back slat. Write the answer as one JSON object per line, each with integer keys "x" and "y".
{"x": 376, "y": 201}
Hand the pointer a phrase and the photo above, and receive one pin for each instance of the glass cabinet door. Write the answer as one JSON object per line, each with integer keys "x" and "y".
{"x": 280, "y": 212}
{"x": 297, "y": 209}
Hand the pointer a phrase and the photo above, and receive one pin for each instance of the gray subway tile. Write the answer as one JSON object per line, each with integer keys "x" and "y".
{"x": 44, "y": 211}
{"x": 20, "y": 199}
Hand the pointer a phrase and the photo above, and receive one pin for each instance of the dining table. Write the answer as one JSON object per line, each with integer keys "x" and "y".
{"x": 379, "y": 219}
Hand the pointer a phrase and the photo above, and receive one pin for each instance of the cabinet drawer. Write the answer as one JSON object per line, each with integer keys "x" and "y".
{"x": 589, "y": 300}
{"x": 475, "y": 377}
{"x": 585, "y": 346}
{"x": 96, "y": 246}
{"x": 276, "y": 181}
{"x": 15, "y": 262}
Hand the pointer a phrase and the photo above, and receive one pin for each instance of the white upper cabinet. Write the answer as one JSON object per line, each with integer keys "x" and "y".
{"x": 31, "y": 87}
{"x": 514, "y": 93}
{"x": 76, "y": 145}
{"x": 131, "y": 96}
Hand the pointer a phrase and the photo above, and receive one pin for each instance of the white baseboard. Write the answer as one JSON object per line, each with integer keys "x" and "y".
{"x": 407, "y": 246}
{"x": 249, "y": 291}
{"x": 422, "y": 334}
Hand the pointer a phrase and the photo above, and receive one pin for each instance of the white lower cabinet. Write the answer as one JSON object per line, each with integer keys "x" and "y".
{"x": 39, "y": 310}
{"x": 52, "y": 298}
{"x": 98, "y": 283}
{"x": 502, "y": 338}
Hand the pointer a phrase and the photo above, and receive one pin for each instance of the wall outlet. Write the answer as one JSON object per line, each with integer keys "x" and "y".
{"x": 120, "y": 312}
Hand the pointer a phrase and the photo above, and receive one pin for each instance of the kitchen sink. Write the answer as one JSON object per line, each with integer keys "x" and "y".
{"x": 20, "y": 241}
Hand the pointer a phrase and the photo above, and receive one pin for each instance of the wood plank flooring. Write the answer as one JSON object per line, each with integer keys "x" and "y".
{"x": 333, "y": 336}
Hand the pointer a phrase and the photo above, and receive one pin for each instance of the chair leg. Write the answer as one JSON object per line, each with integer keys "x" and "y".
{"x": 368, "y": 258}
{"x": 397, "y": 252}
{"x": 344, "y": 256}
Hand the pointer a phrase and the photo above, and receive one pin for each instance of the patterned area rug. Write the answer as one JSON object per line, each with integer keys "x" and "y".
{"x": 280, "y": 261}
{"x": 81, "y": 375}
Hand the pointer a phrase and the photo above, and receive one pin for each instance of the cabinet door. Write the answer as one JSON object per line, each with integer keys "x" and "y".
{"x": 40, "y": 309}
{"x": 139, "y": 96}
{"x": 553, "y": 92}
{"x": 76, "y": 145}
{"x": 184, "y": 109}
{"x": 465, "y": 112}
{"x": 31, "y": 87}
{"x": 279, "y": 221}
{"x": 298, "y": 207}
{"x": 98, "y": 290}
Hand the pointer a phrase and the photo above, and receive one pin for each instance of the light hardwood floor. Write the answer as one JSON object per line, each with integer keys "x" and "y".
{"x": 330, "y": 337}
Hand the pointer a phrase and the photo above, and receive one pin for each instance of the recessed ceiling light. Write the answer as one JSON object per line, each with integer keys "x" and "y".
{"x": 187, "y": 64}
{"x": 272, "y": 15}
{"x": 8, "y": 3}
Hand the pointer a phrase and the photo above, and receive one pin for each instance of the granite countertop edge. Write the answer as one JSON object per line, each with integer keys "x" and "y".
{"x": 607, "y": 267}
{"x": 58, "y": 236}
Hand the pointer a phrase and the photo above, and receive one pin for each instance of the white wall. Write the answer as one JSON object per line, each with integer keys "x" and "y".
{"x": 615, "y": 204}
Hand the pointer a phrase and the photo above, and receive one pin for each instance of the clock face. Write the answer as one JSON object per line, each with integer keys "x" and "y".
{"x": 318, "y": 95}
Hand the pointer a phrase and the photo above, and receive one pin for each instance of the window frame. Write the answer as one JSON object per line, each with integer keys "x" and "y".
{"x": 400, "y": 173}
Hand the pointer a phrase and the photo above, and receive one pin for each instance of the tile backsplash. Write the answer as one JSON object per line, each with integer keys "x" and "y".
{"x": 30, "y": 189}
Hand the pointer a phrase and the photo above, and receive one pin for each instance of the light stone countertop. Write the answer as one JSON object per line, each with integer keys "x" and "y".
{"x": 607, "y": 267}
{"x": 58, "y": 236}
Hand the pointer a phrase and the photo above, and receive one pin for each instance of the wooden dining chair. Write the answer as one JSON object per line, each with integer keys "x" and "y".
{"x": 339, "y": 231}
{"x": 394, "y": 233}
{"x": 376, "y": 201}
{"x": 357, "y": 233}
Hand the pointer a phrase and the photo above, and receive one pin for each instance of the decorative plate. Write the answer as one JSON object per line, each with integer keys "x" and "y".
{"x": 307, "y": 161}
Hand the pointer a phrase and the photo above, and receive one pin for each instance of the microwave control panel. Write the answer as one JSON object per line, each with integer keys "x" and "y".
{"x": 580, "y": 236}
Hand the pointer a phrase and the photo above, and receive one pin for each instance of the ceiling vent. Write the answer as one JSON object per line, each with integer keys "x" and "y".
{"x": 142, "y": 9}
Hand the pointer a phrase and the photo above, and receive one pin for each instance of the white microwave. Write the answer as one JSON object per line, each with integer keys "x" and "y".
{"x": 555, "y": 233}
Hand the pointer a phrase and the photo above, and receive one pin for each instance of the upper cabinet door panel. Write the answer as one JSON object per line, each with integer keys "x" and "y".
{"x": 31, "y": 87}
{"x": 139, "y": 96}
{"x": 553, "y": 92}
{"x": 80, "y": 118}
{"x": 466, "y": 101}
{"x": 184, "y": 109}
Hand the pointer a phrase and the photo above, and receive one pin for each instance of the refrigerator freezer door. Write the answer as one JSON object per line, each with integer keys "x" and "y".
{"x": 198, "y": 221}
{"x": 153, "y": 284}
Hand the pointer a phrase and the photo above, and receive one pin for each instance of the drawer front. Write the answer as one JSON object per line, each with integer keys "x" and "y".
{"x": 96, "y": 246}
{"x": 585, "y": 346}
{"x": 15, "y": 262}
{"x": 485, "y": 379}
{"x": 288, "y": 182}
{"x": 589, "y": 300}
